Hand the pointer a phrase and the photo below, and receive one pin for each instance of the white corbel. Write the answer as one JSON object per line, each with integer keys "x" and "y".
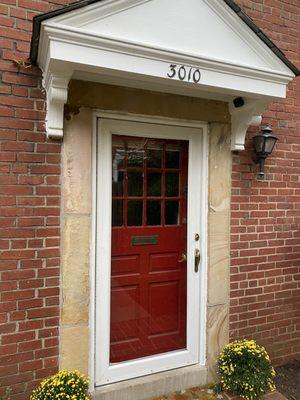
{"x": 242, "y": 118}
{"x": 57, "y": 94}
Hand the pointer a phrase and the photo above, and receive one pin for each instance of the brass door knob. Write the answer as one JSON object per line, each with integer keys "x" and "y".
{"x": 183, "y": 258}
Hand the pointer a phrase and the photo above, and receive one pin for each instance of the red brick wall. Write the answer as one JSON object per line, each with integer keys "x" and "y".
{"x": 29, "y": 206}
{"x": 265, "y": 215}
{"x": 265, "y": 241}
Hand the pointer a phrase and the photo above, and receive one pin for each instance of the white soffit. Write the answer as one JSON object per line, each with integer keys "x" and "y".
{"x": 138, "y": 40}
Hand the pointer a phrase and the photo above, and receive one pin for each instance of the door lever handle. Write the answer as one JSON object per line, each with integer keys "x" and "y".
{"x": 183, "y": 258}
{"x": 197, "y": 259}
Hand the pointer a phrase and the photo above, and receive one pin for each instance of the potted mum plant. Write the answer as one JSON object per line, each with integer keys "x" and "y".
{"x": 65, "y": 385}
{"x": 245, "y": 369}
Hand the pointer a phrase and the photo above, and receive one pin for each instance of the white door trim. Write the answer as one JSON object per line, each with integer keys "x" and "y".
{"x": 101, "y": 372}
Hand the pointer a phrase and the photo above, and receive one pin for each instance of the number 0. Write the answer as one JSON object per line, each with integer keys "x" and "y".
{"x": 182, "y": 73}
{"x": 196, "y": 76}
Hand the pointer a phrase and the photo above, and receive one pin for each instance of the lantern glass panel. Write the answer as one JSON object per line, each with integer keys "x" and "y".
{"x": 258, "y": 143}
{"x": 269, "y": 144}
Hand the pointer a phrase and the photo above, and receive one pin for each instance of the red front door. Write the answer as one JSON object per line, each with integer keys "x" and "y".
{"x": 149, "y": 228}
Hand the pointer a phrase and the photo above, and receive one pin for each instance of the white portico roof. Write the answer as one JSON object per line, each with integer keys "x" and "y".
{"x": 193, "y": 47}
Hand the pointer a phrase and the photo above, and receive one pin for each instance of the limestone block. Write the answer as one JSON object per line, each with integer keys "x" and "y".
{"x": 219, "y": 167}
{"x": 218, "y": 242}
{"x": 77, "y": 163}
{"x": 217, "y": 335}
{"x": 219, "y": 257}
{"x": 74, "y": 352}
{"x": 219, "y": 213}
{"x": 75, "y": 268}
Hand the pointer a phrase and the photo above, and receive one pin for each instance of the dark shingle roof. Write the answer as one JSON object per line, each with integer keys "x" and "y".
{"x": 38, "y": 19}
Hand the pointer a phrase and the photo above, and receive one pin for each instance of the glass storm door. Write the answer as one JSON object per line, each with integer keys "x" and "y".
{"x": 150, "y": 228}
{"x": 148, "y": 300}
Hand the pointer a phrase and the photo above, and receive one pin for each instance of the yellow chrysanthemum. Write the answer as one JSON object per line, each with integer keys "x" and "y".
{"x": 64, "y": 385}
{"x": 245, "y": 369}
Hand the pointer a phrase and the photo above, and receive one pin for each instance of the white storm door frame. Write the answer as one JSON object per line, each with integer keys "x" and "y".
{"x": 196, "y": 134}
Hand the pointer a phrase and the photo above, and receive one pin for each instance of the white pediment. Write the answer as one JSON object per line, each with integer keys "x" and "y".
{"x": 199, "y": 48}
{"x": 200, "y": 28}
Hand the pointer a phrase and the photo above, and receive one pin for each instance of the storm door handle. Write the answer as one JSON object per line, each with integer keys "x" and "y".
{"x": 197, "y": 259}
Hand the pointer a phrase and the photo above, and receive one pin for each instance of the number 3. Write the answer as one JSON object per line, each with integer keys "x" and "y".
{"x": 173, "y": 71}
{"x": 181, "y": 73}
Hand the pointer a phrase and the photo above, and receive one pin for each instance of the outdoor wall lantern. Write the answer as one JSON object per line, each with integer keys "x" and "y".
{"x": 263, "y": 147}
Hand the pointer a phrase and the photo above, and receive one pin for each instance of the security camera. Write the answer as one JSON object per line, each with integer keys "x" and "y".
{"x": 238, "y": 102}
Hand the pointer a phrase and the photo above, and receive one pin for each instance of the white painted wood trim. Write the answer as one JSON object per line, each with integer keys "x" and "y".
{"x": 196, "y": 340}
{"x": 57, "y": 94}
{"x": 146, "y": 68}
{"x": 110, "y": 7}
{"x": 70, "y": 45}
{"x": 153, "y": 119}
{"x": 204, "y": 243}
{"x": 242, "y": 118}
{"x": 77, "y": 20}
{"x": 92, "y": 271}
{"x": 59, "y": 33}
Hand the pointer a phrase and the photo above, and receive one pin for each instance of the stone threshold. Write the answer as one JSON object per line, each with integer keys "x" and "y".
{"x": 154, "y": 385}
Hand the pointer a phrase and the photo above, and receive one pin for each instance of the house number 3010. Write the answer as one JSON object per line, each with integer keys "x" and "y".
{"x": 184, "y": 73}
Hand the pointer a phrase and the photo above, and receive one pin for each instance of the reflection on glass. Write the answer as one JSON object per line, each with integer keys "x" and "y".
{"x": 117, "y": 213}
{"x": 135, "y": 213}
{"x": 172, "y": 156}
{"x": 172, "y": 184}
{"x": 135, "y": 153}
{"x": 117, "y": 182}
{"x": 172, "y": 213}
{"x": 135, "y": 183}
{"x": 154, "y": 184}
{"x": 118, "y": 153}
{"x": 148, "y": 308}
{"x": 153, "y": 212}
{"x": 154, "y": 156}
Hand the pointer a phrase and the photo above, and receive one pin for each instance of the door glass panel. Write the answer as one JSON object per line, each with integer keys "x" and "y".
{"x": 154, "y": 155}
{"x": 117, "y": 213}
{"x": 172, "y": 213}
{"x": 153, "y": 212}
{"x": 172, "y": 156}
{"x": 172, "y": 184}
{"x": 134, "y": 213}
{"x": 118, "y": 153}
{"x": 136, "y": 152}
{"x": 148, "y": 284}
{"x": 154, "y": 184}
{"x": 117, "y": 182}
{"x": 135, "y": 183}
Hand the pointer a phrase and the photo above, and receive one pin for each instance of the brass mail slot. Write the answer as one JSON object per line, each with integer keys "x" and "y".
{"x": 143, "y": 240}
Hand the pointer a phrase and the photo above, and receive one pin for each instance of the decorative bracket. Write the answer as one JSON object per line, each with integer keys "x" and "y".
{"x": 57, "y": 94}
{"x": 242, "y": 118}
